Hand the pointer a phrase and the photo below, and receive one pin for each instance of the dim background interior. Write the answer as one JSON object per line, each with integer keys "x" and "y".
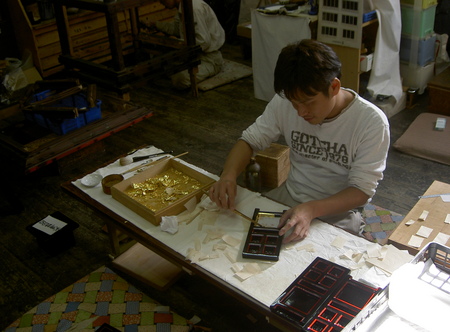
{"x": 206, "y": 127}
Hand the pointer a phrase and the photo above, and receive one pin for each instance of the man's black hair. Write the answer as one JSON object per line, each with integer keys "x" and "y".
{"x": 307, "y": 67}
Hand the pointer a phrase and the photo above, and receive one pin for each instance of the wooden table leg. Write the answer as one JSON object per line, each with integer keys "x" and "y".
{"x": 113, "y": 238}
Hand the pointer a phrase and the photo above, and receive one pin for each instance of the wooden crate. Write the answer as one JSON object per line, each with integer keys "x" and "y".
{"x": 176, "y": 207}
{"x": 275, "y": 165}
{"x": 439, "y": 93}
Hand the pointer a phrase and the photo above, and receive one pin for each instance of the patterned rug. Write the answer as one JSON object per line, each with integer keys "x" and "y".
{"x": 380, "y": 223}
{"x": 99, "y": 298}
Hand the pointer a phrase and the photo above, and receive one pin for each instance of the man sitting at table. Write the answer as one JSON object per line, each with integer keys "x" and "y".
{"x": 209, "y": 34}
{"x": 338, "y": 143}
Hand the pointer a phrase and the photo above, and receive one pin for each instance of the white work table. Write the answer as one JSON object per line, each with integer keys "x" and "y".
{"x": 220, "y": 268}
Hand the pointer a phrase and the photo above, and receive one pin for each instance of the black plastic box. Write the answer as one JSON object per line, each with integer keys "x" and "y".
{"x": 62, "y": 237}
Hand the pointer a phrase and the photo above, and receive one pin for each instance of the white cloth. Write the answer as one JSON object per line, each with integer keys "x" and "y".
{"x": 209, "y": 34}
{"x": 419, "y": 293}
{"x": 270, "y": 33}
{"x": 247, "y": 5}
{"x": 385, "y": 76}
{"x": 349, "y": 150}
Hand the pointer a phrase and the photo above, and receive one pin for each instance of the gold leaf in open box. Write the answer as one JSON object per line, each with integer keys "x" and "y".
{"x": 185, "y": 182}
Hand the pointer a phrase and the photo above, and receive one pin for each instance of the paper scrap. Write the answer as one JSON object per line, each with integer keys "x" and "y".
{"x": 307, "y": 247}
{"x": 248, "y": 270}
{"x": 197, "y": 244}
{"x": 424, "y": 231}
{"x": 373, "y": 250}
{"x": 252, "y": 268}
{"x": 410, "y": 222}
{"x": 212, "y": 235}
{"x": 231, "y": 254}
{"x": 195, "y": 320}
{"x": 338, "y": 242}
{"x": 191, "y": 253}
{"x": 424, "y": 215}
{"x": 220, "y": 246}
{"x": 207, "y": 204}
{"x": 384, "y": 251}
{"x": 169, "y": 224}
{"x": 236, "y": 268}
{"x": 441, "y": 238}
{"x": 415, "y": 241}
{"x": 447, "y": 219}
{"x": 203, "y": 256}
{"x": 243, "y": 275}
{"x": 213, "y": 255}
{"x": 191, "y": 204}
{"x": 358, "y": 257}
{"x": 393, "y": 259}
{"x": 348, "y": 254}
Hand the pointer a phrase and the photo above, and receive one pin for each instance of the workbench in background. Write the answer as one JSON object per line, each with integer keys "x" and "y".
{"x": 101, "y": 42}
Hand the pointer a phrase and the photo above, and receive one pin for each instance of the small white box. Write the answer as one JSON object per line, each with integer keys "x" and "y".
{"x": 440, "y": 124}
{"x": 366, "y": 62}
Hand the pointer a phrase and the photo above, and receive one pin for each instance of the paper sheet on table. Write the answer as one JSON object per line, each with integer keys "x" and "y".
{"x": 385, "y": 76}
{"x": 442, "y": 238}
{"x": 417, "y": 300}
{"x": 393, "y": 259}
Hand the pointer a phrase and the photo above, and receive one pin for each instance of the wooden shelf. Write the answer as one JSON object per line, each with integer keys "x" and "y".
{"x": 350, "y": 57}
{"x": 88, "y": 34}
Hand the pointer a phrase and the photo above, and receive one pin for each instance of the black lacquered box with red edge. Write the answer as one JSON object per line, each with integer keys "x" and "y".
{"x": 263, "y": 242}
{"x": 324, "y": 298}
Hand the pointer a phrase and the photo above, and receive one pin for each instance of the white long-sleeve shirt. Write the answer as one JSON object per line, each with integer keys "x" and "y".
{"x": 209, "y": 34}
{"x": 348, "y": 151}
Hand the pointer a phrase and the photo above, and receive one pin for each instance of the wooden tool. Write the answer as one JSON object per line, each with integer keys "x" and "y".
{"x": 139, "y": 158}
{"x": 153, "y": 163}
{"x": 247, "y": 218}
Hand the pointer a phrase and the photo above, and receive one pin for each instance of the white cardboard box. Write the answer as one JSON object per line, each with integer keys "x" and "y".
{"x": 366, "y": 62}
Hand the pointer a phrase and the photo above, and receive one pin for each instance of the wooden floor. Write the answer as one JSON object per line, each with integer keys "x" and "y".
{"x": 206, "y": 127}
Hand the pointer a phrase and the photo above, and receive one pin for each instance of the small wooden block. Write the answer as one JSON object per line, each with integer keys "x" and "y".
{"x": 146, "y": 266}
{"x": 275, "y": 165}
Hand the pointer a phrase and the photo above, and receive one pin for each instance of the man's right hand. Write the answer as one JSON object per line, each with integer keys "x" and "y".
{"x": 223, "y": 193}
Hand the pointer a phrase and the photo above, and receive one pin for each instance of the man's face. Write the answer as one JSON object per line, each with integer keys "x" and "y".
{"x": 313, "y": 109}
{"x": 170, "y": 4}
